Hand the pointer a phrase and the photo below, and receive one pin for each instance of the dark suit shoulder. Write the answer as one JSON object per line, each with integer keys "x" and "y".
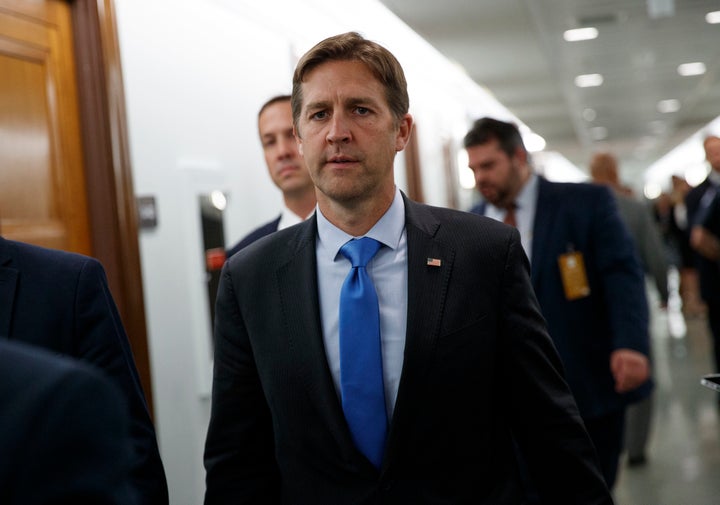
{"x": 457, "y": 228}
{"x": 32, "y": 254}
{"x": 254, "y": 235}
{"x": 64, "y": 414}
{"x": 576, "y": 190}
{"x": 274, "y": 248}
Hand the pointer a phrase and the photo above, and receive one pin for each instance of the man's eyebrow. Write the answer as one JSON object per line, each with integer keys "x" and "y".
{"x": 361, "y": 100}
{"x": 317, "y": 105}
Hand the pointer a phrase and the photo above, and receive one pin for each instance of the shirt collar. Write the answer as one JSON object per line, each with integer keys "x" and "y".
{"x": 288, "y": 218}
{"x": 388, "y": 230}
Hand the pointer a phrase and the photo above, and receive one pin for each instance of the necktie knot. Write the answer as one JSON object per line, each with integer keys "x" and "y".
{"x": 360, "y": 251}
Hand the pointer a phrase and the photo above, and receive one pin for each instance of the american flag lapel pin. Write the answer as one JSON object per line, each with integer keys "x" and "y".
{"x": 434, "y": 262}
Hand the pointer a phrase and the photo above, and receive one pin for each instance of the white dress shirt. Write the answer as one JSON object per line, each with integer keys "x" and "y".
{"x": 288, "y": 218}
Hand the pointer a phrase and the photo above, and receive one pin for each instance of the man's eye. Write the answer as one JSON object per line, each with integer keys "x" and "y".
{"x": 319, "y": 115}
{"x": 362, "y": 111}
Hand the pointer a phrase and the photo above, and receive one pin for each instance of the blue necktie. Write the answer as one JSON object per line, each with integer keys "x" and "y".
{"x": 361, "y": 373}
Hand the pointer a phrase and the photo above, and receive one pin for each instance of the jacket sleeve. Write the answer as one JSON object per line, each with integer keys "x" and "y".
{"x": 545, "y": 419}
{"x": 620, "y": 272}
{"x": 100, "y": 339}
{"x": 239, "y": 449}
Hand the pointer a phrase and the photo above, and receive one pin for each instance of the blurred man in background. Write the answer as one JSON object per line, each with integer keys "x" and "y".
{"x": 286, "y": 168}
{"x": 585, "y": 273}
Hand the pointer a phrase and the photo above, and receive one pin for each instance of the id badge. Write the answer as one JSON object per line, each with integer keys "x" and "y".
{"x": 574, "y": 278}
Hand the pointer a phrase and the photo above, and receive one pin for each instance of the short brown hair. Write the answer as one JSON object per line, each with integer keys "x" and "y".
{"x": 487, "y": 129}
{"x": 273, "y": 101}
{"x": 352, "y": 46}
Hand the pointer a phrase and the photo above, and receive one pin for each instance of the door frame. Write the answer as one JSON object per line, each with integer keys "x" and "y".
{"x": 110, "y": 195}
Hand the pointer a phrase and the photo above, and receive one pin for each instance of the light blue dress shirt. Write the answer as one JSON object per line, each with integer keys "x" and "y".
{"x": 388, "y": 271}
{"x": 525, "y": 202}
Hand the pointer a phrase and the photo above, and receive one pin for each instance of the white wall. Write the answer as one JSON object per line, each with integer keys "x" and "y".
{"x": 195, "y": 73}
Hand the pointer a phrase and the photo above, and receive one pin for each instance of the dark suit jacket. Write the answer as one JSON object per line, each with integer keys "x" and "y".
{"x": 699, "y": 208}
{"x": 60, "y": 301}
{"x": 479, "y": 369}
{"x": 63, "y": 431}
{"x": 257, "y": 233}
{"x": 585, "y": 218}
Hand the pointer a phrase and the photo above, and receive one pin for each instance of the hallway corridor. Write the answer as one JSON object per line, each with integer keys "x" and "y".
{"x": 683, "y": 453}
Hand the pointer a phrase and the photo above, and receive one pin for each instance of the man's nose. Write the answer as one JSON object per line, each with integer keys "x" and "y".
{"x": 338, "y": 129}
{"x": 286, "y": 147}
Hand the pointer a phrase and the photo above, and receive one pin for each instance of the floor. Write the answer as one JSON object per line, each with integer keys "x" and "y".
{"x": 683, "y": 452}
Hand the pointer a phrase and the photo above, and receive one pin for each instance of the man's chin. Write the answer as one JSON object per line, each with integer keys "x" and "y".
{"x": 490, "y": 198}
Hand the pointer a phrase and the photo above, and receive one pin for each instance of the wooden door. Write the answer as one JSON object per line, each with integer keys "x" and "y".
{"x": 42, "y": 185}
{"x": 65, "y": 176}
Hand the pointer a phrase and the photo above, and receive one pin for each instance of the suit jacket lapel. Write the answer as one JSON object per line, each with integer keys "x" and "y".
{"x": 427, "y": 291}
{"x": 297, "y": 280}
{"x": 545, "y": 210}
{"x": 8, "y": 285}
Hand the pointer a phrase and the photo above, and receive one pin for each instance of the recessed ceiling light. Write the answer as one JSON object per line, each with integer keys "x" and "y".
{"x": 713, "y": 17}
{"x": 577, "y": 34}
{"x": 694, "y": 68}
{"x": 667, "y": 106}
{"x": 588, "y": 80}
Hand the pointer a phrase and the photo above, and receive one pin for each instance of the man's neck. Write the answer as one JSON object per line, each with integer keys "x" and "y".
{"x": 356, "y": 218}
{"x": 301, "y": 204}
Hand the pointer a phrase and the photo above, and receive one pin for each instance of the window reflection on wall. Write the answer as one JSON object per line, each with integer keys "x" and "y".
{"x": 211, "y": 214}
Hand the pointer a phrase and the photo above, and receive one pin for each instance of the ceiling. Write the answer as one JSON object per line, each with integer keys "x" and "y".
{"x": 516, "y": 50}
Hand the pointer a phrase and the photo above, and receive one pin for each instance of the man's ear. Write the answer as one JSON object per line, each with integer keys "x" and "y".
{"x": 521, "y": 155}
{"x": 404, "y": 130}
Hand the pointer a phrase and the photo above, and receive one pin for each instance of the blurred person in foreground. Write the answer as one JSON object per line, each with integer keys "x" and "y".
{"x": 286, "y": 168}
{"x": 586, "y": 276}
{"x": 700, "y": 204}
{"x": 648, "y": 243}
{"x": 61, "y": 301}
{"x": 64, "y": 431}
{"x": 419, "y": 399}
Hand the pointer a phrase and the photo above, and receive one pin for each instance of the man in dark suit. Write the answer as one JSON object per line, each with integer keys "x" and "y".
{"x": 64, "y": 431}
{"x": 286, "y": 168}
{"x": 699, "y": 201}
{"x": 585, "y": 273}
{"x": 61, "y": 301}
{"x": 467, "y": 368}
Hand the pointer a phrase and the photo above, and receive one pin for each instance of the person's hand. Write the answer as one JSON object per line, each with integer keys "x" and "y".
{"x": 629, "y": 368}
{"x": 705, "y": 243}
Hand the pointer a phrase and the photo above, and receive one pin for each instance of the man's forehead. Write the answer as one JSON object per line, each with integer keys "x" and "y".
{"x": 355, "y": 74}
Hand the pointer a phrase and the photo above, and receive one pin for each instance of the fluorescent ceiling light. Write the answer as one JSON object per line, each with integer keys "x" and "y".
{"x": 588, "y": 80}
{"x": 667, "y": 106}
{"x": 577, "y": 34}
{"x": 695, "y": 68}
{"x": 713, "y": 17}
{"x": 534, "y": 143}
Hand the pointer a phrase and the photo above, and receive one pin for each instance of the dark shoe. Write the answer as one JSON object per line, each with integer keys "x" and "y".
{"x": 637, "y": 460}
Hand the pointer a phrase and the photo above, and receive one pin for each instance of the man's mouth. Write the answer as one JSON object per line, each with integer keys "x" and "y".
{"x": 340, "y": 159}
